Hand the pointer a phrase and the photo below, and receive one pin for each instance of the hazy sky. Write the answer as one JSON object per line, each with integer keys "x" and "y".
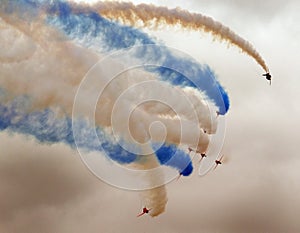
{"x": 46, "y": 188}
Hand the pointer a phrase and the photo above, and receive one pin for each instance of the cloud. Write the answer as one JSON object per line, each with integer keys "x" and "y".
{"x": 36, "y": 178}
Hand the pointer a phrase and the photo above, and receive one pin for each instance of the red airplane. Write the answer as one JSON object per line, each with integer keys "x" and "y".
{"x": 197, "y": 152}
{"x": 145, "y": 211}
{"x": 203, "y": 155}
{"x": 218, "y": 162}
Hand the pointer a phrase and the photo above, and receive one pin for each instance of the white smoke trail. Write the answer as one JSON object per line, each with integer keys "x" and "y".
{"x": 154, "y": 199}
{"x": 147, "y": 15}
{"x": 52, "y": 70}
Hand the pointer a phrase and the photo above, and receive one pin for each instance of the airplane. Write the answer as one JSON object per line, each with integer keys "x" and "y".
{"x": 268, "y": 76}
{"x": 218, "y": 162}
{"x": 145, "y": 211}
{"x": 203, "y": 155}
{"x": 180, "y": 174}
{"x": 197, "y": 152}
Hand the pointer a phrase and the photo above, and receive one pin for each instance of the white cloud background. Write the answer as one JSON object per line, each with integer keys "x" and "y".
{"x": 47, "y": 188}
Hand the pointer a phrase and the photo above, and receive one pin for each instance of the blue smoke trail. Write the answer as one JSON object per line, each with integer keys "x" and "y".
{"x": 92, "y": 30}
{"x": 46, "y": 127}
{"x": 170, "y": 155}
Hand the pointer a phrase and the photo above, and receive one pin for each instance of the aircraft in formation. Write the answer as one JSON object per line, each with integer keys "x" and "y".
{"x": 145, "y": 211}
{"x": 218, "y": 162}
{"x": 268, "y": 76}
{"x": 203, "y": 155}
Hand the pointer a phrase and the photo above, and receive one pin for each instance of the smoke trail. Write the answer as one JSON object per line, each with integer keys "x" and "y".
{"x": 19, "y": 47}
{"x": 170, "y": 155}
{"x": 82, "y": 24}
{"x": 153, "y": 16}
{"x": 154, "y": 199}
{"x": 41, "y": 80}
{"x": 48, "y": 126}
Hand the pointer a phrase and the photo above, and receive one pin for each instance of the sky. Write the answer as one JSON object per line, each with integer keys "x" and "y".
{"x": 47, "y": 188}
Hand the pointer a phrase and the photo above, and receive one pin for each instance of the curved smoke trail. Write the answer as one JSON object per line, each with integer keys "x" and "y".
{"x": 153, "y": 16}
{"x": 91, "y": 30}
{"x": 58, "y": 43}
